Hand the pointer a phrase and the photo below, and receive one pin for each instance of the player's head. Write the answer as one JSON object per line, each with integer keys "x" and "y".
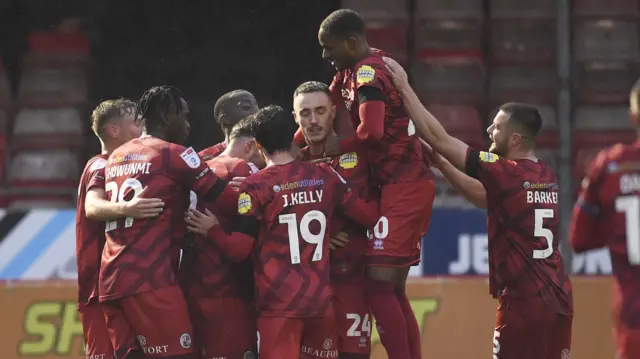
{"x": 233, "y": 107}
{"x": 275, "y": 128}
{"x": 314, "y": 111}
{"x": 634, "y": 105}
{"x": 242, "y": 140}
{"x": 342, "y": 38}
{"x": 164, "y": 112}
{"x": 113, "y": 121}
{"x": 514, "y": 128}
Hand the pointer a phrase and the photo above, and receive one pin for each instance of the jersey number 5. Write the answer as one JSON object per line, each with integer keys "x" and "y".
{"x": 305, "y": 232}
{"x": 630, "y": 206}
{"x": 117, "y": 195}
{"x": 540, "y": 231}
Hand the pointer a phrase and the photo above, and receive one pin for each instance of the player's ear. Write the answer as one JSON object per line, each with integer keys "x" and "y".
{"x": 295, "y": 117}
{"x": 113, "y": 130}
{"x": 352, "y": 44}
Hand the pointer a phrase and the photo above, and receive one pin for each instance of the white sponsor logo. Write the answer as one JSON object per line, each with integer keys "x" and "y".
{"x": 190, "y": 157}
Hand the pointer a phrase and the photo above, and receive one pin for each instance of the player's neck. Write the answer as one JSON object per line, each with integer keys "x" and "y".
{"x": 279, "y": 159}
{"x": 316, "y": 149}
{"x": 234, "y": 151}
{"x": 523, "y": 155}
{"x": 227, "y": 133}
{"x": 154, "y": 133}
{"x": 107, "y": 147}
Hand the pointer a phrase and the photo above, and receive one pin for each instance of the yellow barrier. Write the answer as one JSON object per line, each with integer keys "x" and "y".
{"x": 39, "y": 320}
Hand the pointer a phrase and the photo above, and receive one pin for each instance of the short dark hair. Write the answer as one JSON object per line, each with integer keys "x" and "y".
{"x": 526, "y": 117}
{"x": 110, "y": 110}
{"x": 343, "y": 23}
{"x": 223, "y": 101}
{"x": 275, "y": 128}
{"x": 244, "y": 128}
{"x": 311, "y": 87}
{"x": 156, "y": 103}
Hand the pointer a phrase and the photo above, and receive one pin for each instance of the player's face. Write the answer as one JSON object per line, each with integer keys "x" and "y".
{"x": 499, "y": 135}
{"x": 246, "y": 105}
{"x": 129, "y": 128}
{"x": 314, "y": 113}
{"x": 178, "y": 126}
{"x": 339, "y": 52}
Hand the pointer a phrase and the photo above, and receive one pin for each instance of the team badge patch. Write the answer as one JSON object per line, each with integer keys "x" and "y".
{"x": 244, "y": 203}
{"x": 190, "y": 157}
{"x": 348, "y": 160}
{"x": 365, "y": 74}
{"x": 488, "y": 157}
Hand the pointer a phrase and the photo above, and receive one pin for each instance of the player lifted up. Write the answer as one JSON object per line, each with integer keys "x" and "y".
{"x": 608, "y": 214}
{"x": 285, "y": 211}
{"x": 228, "y": 110}
{"x": 520, "y": 192}
{"x": 362, "y": 88}
{"x": 220, "y": 290}
{"x": 138, "y": 272}
{"x": 314, "y": 111}
{"x": 114, "y": 124}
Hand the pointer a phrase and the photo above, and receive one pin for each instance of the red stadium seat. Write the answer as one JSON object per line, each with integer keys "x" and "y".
{"x": 47, "y": 128}
{"x": 53, "y": 87}
{"x": 606, "y": 40}
{"x": 449, "y": 9}
{"x": 58, "y": 48}
{"x": 604, "y": 83}
{"x": 448, "y": 38}
{"x": 377, "y": 9}
{"x": 449, "y": 79}
{"x": 598, "y": 118}
{"x": 54, "y": 168}
{"x": 390, "y": 37}
{"x": 600, "y": 139}
{"x": 462, "y": 122}
{"x": 523, "y": 41}
{"x": 523, "y": 83}
{"x": 523, "y": 9}
{"x": 606, "y": 9}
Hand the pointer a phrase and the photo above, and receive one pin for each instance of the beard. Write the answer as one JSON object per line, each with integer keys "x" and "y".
{"x": 498, "y": 150}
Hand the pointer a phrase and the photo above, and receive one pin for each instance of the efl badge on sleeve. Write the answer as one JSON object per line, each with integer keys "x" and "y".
{"x": 190, "y": 157}
{"x": 348, "y": 160}
{"x": 488, "y": 157}
{"x": 244, "y": 203}
{"x": 365, "y": 74}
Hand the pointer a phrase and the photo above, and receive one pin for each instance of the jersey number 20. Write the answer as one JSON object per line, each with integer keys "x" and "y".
{"x": 117, "y": 195}
{"x": 305, "y": 232}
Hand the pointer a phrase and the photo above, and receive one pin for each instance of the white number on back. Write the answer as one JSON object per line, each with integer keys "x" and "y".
{"x": 353, "y": 329}
{"x": 540, "y": 231}
{"x": 305, "y": 233}
{"x": 117, "y": 195}
{"x": 381, "y": 230}
{"x": 630, "y": 206}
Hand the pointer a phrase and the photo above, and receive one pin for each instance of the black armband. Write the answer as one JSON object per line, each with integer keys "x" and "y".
{"x": 216, "y": 190}
{"x": 472, "y": 164}
{"x": 370, "y": 93}
{"x": 249, "y": 225}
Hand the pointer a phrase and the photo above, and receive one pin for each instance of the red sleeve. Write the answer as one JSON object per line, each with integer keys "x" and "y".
{"x": 584, "y": 233}
{"x": 364, "y": 213}
{"x": 240, "y": 169}
{"x": 95, "y": 178}
{"x": 235, "y": 245}
{"x": 488, "y": 168}
{"x": 371, "y": 121}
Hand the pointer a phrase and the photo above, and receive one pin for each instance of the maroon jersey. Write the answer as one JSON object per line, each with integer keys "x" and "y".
{"x": 213, "y": 151}
{"x": 213, "y": 273}
{"x": 292, "y": 205}
{"x": 142, "y": 254}
{"x": 522, "y": 221}
{"x": 608, "y": 214}
{"x": 89, "y": 234}
{"x": 347, "y": 263}
{"x": 399, "y": 156}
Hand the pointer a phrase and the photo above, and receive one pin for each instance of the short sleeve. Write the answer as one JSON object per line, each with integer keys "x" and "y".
{"x": 241, "y": 169}
{"x": 186, "y": 165}
{"x": 371, "y": 75}
{"x": 489, "y": 168}
{"x": 95, "y": 177}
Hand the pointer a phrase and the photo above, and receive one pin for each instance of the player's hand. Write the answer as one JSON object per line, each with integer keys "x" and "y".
{"x": 340, "y": 240}
{"x": 398, "y": 74}
{"x": 140, "y": 207}
{"x": 236, "y": 182}
{"x": 332, "y": 145}
{"x": 200, "y": 223}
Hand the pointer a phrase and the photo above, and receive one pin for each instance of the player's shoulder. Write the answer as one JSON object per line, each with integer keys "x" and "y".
{"x": 96, "y": 163}
{"x": 326, "y": 172}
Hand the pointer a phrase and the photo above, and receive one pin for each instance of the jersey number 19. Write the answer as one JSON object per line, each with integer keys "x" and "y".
{"x": 305, "y": 232}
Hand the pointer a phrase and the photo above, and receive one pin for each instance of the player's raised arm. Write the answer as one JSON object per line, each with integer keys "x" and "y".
{"x": 584, "y": 231}
{"x": 426, "y": 124}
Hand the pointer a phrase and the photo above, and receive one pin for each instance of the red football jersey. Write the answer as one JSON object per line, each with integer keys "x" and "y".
{"x": 142, "y": 254}
{"x": 294, "y": 204}
{"x": 399, "y": 157}
{"x": 347, "y": 263}
{"x": 213, "y": 273}
{"x": 213, "y": 151}
{"x": 90, "y": 236}
{"x": 522, "y": 221}
{"x": 608, "y": 214}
